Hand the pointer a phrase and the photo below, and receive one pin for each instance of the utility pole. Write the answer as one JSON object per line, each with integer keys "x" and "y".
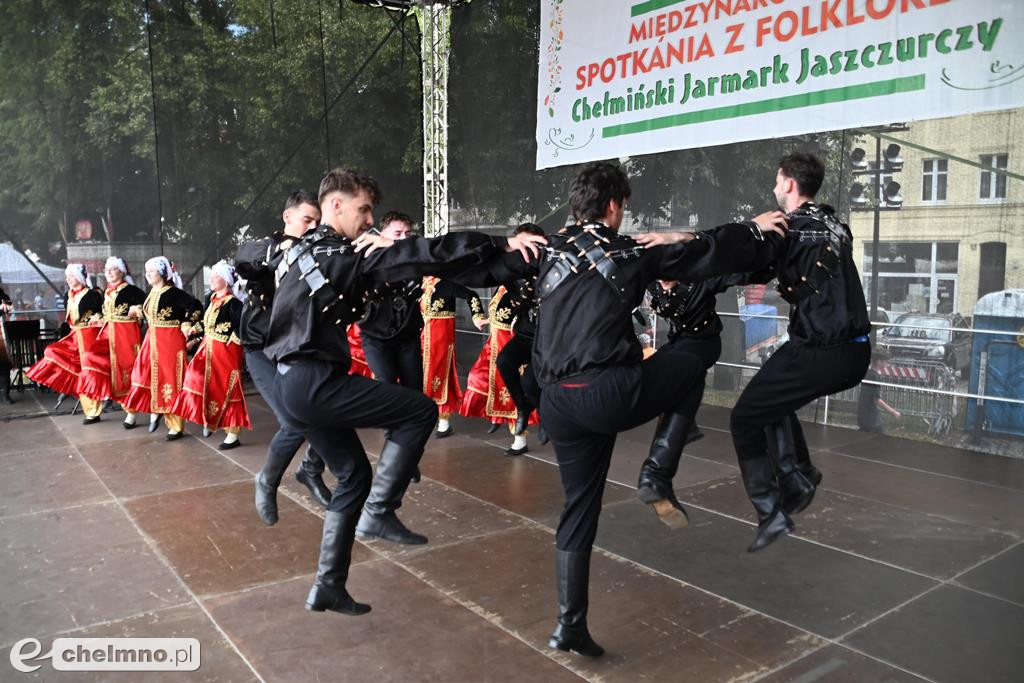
{"x": 883, "y": 198}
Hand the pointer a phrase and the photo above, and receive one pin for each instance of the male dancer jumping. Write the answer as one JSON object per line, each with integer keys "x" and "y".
{"x": 322, "y": 281}
{"x": 827, "y": 352}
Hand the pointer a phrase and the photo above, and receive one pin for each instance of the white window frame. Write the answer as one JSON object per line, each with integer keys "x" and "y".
{"x": 933, "y": 277}
{"x": 993, "y": 160}
{"x": 931, "y": 178}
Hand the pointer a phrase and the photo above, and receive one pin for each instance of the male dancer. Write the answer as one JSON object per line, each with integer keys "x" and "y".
{"x": 589, "y": 362}
{"x": 828, "y": 350}
{"x": 256, "y": 262}
{"x": 516, "y": 353}
{"x": 322, "y": 282}
{"x": 391, "y": 328}
{"x": 694, "y": 327}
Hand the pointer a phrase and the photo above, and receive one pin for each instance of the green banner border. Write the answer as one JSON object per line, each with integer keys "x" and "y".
{"x": 810, "y": 99}
{"x": 652, "y": 5}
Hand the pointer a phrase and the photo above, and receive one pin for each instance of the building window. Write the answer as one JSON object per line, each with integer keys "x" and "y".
{"x": 993, "y": 185}
{"x": 914, "y": 277}
{"x": 933, "y": 187}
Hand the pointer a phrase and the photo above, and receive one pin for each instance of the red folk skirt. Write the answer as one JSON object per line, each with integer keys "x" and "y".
{"x": 212, "y": 394}
{"x": 439, "y": 380}
{"x": 158, "y": 372}
{"x": 107, "y": 365}
{"x": 61, "y": 364}
{"x": 486, "y": 393}
{"x": 355, "y": 347}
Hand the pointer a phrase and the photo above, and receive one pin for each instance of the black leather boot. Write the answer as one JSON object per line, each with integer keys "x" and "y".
{"x": 328, "y": 593}
{"x": 394, "y": 471}
{"x": 266, "y": 500}
{"x": 310, "y": 475}
{"x": 797, "y": 492}
{"x": 803, "y": 455}
{"x": 572, "y": 578}
{"x": 762, "y": 488}
{"x": 655, "y": 484}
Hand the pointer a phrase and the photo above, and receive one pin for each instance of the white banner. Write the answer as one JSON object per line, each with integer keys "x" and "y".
{"x": 626, "y": 77}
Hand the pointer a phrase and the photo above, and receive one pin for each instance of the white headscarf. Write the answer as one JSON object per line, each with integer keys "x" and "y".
{"x": 79, "y": 272}
{"x": 228, "y": 273}
{"x": 161, "y": 265}
{"x": 116, "y": 262}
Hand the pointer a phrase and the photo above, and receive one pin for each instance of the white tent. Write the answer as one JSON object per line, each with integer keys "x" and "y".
{"x": 15, "y": 270}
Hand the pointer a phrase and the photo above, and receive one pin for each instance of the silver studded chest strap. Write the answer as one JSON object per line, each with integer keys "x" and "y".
{"x": 303, "y": 255}
{"x": 796, "y": 286}
{"x": 592, "y": 254}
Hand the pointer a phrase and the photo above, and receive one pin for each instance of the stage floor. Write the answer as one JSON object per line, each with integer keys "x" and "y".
{"x": 908, "y": 566}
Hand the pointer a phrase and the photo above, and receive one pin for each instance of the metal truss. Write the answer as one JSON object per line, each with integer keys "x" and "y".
{"x": 435, "y": 46}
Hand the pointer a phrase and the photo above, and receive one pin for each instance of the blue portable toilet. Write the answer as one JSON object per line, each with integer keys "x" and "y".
{"x": 997, "y": 364}
{"x": 759, "y": 324}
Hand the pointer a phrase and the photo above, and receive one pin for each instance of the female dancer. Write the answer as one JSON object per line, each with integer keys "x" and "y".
{"x": 439, "y": 380}
{"x": 212, "y": 393}
{"x": 61, "y": 364}
{"x": 107, "y": 364}
{"x": 486, "y": 394}
{"x": 159, "y": 370}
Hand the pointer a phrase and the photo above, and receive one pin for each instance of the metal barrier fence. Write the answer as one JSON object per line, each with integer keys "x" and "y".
{"x": 903, "y": 388}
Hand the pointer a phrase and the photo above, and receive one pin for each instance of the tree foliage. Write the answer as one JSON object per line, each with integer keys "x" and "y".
{"x": 237, "y": 93}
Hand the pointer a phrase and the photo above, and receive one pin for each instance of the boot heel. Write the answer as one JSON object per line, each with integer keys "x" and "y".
{"x": 672, "y": 516}
{"x": 575, "y": 639}
{"x": 669, "y": 512}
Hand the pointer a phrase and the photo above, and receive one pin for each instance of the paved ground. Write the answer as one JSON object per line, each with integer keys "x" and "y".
{"x": 909, "y": 566}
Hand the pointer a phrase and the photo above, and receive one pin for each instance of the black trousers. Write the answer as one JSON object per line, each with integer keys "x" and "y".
{"x": 326, "y": 405}
{"x": 286, "y": 441}
{"x": 523, "y": 388}
{"x": 791, "y": 378}
{"x": 584, "y": 415}
{"x": 708, "y": 349}
{"x": 395, "y": 361}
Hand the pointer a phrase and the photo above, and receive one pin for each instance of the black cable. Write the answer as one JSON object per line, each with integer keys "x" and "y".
{"x": 156, "y": 135}
{"x": 305, "y": 139}
{"x": 400, "y": 23}
{"x": 323, "y": 82}
{"x": 273, "y": 26}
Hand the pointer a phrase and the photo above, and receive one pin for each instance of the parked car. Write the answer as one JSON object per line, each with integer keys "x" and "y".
{"x": 768, "y": 349}
{"x": 929, "y": 337}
